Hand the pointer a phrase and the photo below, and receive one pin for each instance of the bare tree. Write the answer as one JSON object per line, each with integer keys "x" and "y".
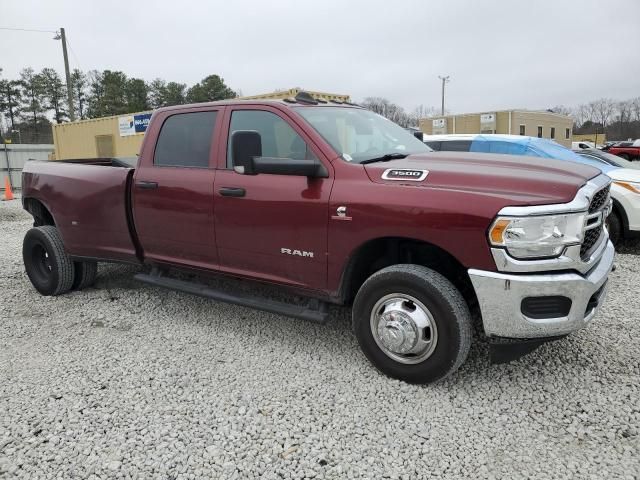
{"x": 635, "y": 108}
{"x": 389, "y": 110}
{"x": 562, "y": 110}
{"x": 603, "y": 109}
{"x": 581, "y": 114}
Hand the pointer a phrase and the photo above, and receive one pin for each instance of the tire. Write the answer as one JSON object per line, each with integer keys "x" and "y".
{"x": 48, "y": 266}
{"x": 410, "y": 289}
{"x": 625, "y": 156}
{"x": 85, "y": 274}
{"x": 614, "y": 226}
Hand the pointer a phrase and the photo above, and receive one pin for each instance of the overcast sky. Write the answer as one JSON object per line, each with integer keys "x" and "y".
{"x": 499, "y": 54}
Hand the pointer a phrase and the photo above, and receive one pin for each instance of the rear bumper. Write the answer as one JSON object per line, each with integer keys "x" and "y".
{"x": 500, "y": 297}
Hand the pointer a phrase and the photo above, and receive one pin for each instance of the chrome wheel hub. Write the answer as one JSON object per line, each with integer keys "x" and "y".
{"x": 403, "y": 328}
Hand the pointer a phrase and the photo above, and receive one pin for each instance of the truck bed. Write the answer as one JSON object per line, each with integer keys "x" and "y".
{"x": 90, "y": 201}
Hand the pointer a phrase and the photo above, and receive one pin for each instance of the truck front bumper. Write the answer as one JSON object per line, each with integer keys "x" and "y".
{"x": 540, "y": 305}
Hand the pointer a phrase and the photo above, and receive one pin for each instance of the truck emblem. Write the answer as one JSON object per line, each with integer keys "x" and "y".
{"x": 297, "y": 253}
{"x": 405, "y": 174}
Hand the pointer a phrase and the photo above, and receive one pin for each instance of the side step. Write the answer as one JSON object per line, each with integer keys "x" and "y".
{"x": 316, "y": 311}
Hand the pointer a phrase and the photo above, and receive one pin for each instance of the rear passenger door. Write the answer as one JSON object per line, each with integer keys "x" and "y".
{"x": 173, "y": 189}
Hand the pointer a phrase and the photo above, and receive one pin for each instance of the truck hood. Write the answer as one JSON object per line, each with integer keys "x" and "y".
{"x": 524, "y": 180}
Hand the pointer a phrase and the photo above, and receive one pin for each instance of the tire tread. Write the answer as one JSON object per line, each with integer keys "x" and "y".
{"x": 450, "y": 294}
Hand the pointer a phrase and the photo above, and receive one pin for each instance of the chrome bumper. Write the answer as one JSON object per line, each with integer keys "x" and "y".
{"x": 500, "y": 297}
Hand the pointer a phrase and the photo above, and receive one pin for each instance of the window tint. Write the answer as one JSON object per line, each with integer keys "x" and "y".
{"x": 539, "y": 132}
{"x": 456, "y": 146}
{"x": 434, "y": 145}
{"x": 553, "y": 132}
{"x": 185, "y": 140}
{"x": 279, "y": 140}
{"x": 522, "y": 130}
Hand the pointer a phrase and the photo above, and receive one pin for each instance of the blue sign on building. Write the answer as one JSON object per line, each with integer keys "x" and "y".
{"x": 141, "y": 122}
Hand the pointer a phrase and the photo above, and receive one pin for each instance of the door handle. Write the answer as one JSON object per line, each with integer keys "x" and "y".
{"x": 232, "y": 192}
{"x": 147, "y": 185}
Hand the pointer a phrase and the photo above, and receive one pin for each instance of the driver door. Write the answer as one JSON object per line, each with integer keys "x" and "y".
{"x": 272, "y": 226}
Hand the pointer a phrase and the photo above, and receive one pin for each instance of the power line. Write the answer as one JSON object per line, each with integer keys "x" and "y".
{"x": 27, "y": 30}
{"x": 73, "y": 52}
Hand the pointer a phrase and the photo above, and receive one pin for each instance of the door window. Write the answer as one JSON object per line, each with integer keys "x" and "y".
{"x": 185, "y": 140}
{"x": 279, "y": 140}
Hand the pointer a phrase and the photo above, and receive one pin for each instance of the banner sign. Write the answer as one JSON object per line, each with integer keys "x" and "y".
{"x": 133, "y": 124}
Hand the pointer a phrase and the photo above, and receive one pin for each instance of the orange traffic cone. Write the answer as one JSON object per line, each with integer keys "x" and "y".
{"x": 8, "y": 194}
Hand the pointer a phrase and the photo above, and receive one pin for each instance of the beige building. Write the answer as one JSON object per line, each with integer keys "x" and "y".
{"x": 121, "y": 135}
{"x": 515, "y": 122}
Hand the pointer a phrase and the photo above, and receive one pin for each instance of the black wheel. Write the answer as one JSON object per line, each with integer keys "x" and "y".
{"x": 412, "y": 323}
{"x": 625, "y": 156}
{"x": 614, "y": 226}
{"x": 85, "y": 274}
{"x": 48, "y": 266}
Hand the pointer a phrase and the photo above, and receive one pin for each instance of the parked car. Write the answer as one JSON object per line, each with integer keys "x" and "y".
{"x": 579, "y": 145}
{"x": 625, "y": 219}
{"x": 626, "y": 150}
{"x": 343, "y": 206}
{"x": 607, "y": 158}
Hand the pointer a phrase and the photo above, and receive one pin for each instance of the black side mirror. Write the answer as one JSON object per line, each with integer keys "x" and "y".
{"x": 245, "y": 146}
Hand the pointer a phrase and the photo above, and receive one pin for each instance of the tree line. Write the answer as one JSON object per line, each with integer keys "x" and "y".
{"x": 28, "y": 102}
{"x": 620, "y": 120}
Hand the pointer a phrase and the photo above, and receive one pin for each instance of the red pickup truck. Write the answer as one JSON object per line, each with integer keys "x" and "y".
{"x": 626, "y": 150}
{"x": 345, "y": 207}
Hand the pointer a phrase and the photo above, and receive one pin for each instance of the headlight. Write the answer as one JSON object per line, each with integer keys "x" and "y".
{"x": 633, "y": 186}
{"x": 537, "y": 236}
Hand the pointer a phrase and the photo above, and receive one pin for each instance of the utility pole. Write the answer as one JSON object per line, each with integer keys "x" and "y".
{"x": 63, "y": 37}
{"x": 444, "y": 80}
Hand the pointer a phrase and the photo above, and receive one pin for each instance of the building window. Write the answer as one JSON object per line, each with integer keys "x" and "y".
{"x": 539, "y": 132}
{"x": 522, "y": 130}
{"x": 553, "y": 132}
{"x": 567, "y": 133}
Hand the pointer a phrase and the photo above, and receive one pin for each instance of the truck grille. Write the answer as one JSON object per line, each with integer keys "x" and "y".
{"x": 599, "y": 199}
{"x": 591, "y": 237}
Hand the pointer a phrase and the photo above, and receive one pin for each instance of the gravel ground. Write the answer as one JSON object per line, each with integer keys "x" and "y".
{"x": 129, "y": 381}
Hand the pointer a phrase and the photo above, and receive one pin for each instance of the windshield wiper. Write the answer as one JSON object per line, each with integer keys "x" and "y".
{"x": 385, "y": 158}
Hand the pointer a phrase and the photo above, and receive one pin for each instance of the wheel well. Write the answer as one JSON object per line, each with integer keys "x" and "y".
{"x": 617, "y": 209}
{"x": 383, "y": 252}
{"x": 40, "y": 213}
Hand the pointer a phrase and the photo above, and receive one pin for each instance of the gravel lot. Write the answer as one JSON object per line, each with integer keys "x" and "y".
{"x": 129, "y": 381}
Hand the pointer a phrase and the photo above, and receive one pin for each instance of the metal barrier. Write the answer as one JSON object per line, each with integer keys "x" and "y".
{"x": 13, "y": 158}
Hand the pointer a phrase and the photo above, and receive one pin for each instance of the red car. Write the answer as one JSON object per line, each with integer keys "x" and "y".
{"x": 626, "y": 150}
{"x": 345, "y": 207}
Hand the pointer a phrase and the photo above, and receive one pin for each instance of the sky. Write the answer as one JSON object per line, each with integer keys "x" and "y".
{"x": 499, "y": 54}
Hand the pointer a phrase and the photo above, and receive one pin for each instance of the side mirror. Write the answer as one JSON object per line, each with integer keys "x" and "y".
{"x": 245, "y": 146}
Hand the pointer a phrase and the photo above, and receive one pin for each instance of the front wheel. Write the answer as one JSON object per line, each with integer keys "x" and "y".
{"x": 412, "y": 323}
{"x": 48, "y": 266}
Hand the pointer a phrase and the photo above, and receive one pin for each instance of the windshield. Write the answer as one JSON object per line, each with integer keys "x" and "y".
{"x": 359, "y": 135}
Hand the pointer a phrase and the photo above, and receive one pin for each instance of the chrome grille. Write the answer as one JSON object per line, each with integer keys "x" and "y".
{"x": 592, "y": 235}
{"x": 599, "y": 199}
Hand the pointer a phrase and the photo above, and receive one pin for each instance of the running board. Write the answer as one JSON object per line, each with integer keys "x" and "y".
{"x": 316, "y": 311}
